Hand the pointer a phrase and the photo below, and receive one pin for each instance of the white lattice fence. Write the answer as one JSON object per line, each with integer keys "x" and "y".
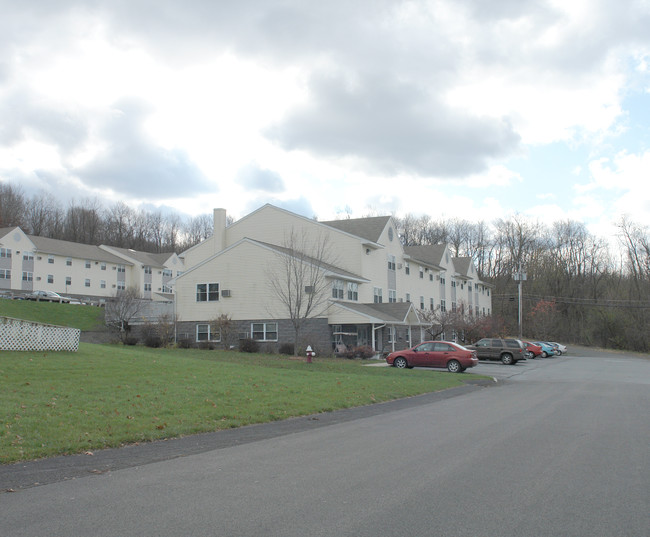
{"x": 19, "y": 335}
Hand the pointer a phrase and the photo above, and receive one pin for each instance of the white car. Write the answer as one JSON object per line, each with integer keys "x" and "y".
{"x": 560, "y": 349}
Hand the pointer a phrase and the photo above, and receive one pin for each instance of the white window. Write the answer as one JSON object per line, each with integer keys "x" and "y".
{"x": 207, "y": 292}
{"x": 87, "y": 282}
{"x": 431, "y": 304}
{"x": 204, "y": 332}
{"x": 407, "y": 268}
{"x": 391, "y": 262}
{"x": 28, "y": 276}
{"x": 5, "y": 274}
{"x": 408, "y": 297}
{"x": 422, "y": 272}
{"x": 443, "y": 305}
{"x": 5, "y": 252}
{"x": 442, "y": 280}
{"x": 392, "y": 295}
{"x": 377, "y": 293}
{"x": 337, "y": 289}
{"x": 147, "y": 287}
{"x": 102, "y": 266}
{"x": 264, "y": 331}
{"x": 102, "y": 284}
{"x": 28, "y": 256}
{"x": 353, "y": 291}
{"x": 50, "y": 278}
{"x": 167, "y": 273}
{"x": 166, "y": 289}
{"x": 453, "y": 307}
{"x": 147, "y": 269}
{"x": 121, "y": 286}
{"x": 421, "y": 302}
{"x": 391, "y": 334}
{"x": 121, "y": 268}
{"x": 50, "y": 259}
{"x": 88, "y": 264}
{"x": 68, "y": 262}
{"x": 68, "y": 280}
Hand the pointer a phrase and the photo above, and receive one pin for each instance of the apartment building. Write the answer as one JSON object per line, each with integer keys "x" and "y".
{"x": 29, "y": 263}
{"x": 377, "y": 289}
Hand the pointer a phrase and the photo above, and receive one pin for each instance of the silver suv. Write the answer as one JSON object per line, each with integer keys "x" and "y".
{"x": 509, "y": 351}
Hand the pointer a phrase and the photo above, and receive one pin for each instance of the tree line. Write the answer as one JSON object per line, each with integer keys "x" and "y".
{"x": 91, "y": 222}
{"x": 578, "y": 288}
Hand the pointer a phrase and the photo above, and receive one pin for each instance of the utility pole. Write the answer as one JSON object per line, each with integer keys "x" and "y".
{"x": 520, "y": 277}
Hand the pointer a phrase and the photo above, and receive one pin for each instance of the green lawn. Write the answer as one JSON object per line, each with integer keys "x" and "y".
{"x": 110, "y": 395}
{"x": 83, "y": 317}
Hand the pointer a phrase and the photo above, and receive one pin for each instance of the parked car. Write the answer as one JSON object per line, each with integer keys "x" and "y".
{"x": 47, "y": 296}
{"x": 532, "y": 350}
{"x": 547, "y": 350}
{"x": 559, "y": 348}
{"x": 509, "y": 351}
{"x": 446, "y": 354}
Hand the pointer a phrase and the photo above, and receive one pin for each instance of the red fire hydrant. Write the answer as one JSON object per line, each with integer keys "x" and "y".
{"x": 310, "y": 354}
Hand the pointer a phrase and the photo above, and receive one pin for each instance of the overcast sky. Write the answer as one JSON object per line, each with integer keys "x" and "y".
{"x": 463, "y": 108}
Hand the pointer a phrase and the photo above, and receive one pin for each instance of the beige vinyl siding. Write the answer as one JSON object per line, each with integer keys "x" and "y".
{"x": 243, "y": 270}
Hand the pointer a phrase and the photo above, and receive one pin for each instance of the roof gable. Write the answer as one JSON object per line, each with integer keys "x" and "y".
{"x": 369, "y": 228}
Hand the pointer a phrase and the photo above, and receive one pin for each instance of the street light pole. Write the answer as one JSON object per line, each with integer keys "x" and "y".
{"x": 520, "y": 277}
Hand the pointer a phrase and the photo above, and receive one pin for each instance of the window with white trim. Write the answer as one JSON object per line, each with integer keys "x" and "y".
{"x": 204, "y": 332}
{"x": 377, "y": 295}
{"x": 28, "y": 276}
{"x": 102, "y": 284}
{"x": 391, "y": 334}
{"x": 353, "y": 291}
{"x": 421, "y": 273}
{"x": 407, "y": 268}
{"x": 207, "y": 292}
{"x": 121, "y": 268}
{"x": 102, "y": 266}
{"x": 443, "y": 306}
{"x": 68, "y": 280}
{"x": 392, "y": 295}
{"x": 391, "y": 262}
{"x": 50, "y": 278}
{"x": 147, "y": 286}
{"x": 121, "y": 286}
{"x": 68, "y": 262}
{"x": 421, "y": 302}
{"x": 431, "y": 307}
{"x": 87, "y": 282}
{"x": 147, "y": 269}
{"x": 337, "y": 289}
{"x": 5, "y": 274}
{"x": 28, "y": 256}
{"x": 5, "y": 252}
{"x": 264, "y": 331}
{"x": 50, "y": 259}
{"x": 88, "y": 263}
{"x": 408, "y": 297}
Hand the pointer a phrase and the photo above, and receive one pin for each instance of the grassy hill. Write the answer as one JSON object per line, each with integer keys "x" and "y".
{"x": 86, "y": 318}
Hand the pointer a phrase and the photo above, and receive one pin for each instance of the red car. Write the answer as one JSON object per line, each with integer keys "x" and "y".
{"x": 452, "y": 356}
{"x": 532, "y": 350}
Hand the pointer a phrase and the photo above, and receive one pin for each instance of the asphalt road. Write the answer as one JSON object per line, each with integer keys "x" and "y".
{"x": 558, "y": 447}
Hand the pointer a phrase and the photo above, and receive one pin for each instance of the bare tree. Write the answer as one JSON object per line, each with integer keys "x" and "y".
{"x": 299, "y": 279}
{"x": 12, "y": 206}
{"x": 122, "y": 309}
{"x": 441, "y": 322}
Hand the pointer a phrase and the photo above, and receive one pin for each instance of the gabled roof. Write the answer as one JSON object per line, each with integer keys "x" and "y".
{"x": 390, "y": 313}
{"x": 146, "y": 258}
{"x": 332, "y": 269}
{"x": 462, "y": 266}
{"x": 77, "y": 250}
{"x": 369, "y": 228}
{"x": 429, "y": 254}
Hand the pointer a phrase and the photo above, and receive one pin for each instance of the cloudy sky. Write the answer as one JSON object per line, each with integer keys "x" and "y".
{"x": 447, "y": 108}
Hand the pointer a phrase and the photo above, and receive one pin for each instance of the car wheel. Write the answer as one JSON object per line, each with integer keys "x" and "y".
{"x": 530, "y": 355}
{"x": 400, "y": 362}
{"x": 453, "y": 366}
{"x": 506, "y": 358}
{"x": 558, "y": 352}
{"x": 544, "y": 354}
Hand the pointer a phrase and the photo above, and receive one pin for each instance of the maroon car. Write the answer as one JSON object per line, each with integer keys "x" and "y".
{"x": 452, "y": 356}
{"x": 532, "y": 350}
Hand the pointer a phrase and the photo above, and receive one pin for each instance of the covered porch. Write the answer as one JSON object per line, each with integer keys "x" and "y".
{"x": 382, "y": 327}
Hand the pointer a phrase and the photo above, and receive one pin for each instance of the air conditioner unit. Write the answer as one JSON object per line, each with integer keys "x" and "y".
{"x": 38, "y": 278}
{"x": 226, "y": 293}
{"x": 39, "y": 258}
{"x": 114, "y": 268}
{"x": 399, "y": 265}
{"x": 114, "y": 286}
